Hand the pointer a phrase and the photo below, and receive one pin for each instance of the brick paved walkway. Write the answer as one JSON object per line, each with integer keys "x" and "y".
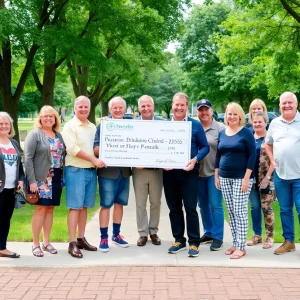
{"x": 149, "y": 283}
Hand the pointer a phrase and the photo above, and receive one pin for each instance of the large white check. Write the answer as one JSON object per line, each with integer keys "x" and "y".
{"x": 149, "y": 144}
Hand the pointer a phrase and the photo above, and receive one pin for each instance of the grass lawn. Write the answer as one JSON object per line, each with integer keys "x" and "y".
{"x": 277, "y": 230}
{"x": 20, "y": 229}
{"x": 25, "y": 124}
{"x": 28, "y": 124}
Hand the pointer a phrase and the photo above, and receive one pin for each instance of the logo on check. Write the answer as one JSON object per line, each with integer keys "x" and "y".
{"x": 110, "y": 126}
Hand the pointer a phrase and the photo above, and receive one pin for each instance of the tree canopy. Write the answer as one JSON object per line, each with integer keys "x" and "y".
{"x": 264, "y": 35}
{"x": 103, "y": 46}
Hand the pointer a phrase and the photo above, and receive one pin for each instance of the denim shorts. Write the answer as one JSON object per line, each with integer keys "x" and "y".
{"x": 81, "y": 187}
{"x": 113, "y": 191}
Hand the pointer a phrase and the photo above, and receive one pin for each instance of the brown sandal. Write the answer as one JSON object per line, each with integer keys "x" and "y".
{"x": 268, "y": 243}
{"x": 230, "y": 250}
{"x": 256, "y": 239}
{"x": 235, "y": 255}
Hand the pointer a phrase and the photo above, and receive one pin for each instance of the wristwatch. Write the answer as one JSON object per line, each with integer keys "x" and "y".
{"x": 269, "y": 177}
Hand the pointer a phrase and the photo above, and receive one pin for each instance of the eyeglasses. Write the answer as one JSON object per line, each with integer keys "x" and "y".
{"x": 48, "y": 116}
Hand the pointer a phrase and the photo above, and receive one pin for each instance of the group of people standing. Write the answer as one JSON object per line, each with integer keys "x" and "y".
{"x": 227, "y": 161}
{"x": 258, "y": 163}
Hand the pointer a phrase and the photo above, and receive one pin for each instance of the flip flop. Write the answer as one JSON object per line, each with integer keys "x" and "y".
{"x": 49, "y": 248}
{"x": 36, "y": 252}
{"x": 238, "y": 256}
{"x": 13, "y": 255}
{"x": 230, "y": 250}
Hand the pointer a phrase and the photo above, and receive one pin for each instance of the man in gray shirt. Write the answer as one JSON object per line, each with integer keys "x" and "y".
{"x": 283, "y": 148}
{"x": 209, "y": 197}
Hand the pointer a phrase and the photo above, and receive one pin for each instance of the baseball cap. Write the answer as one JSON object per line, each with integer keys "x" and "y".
{"x": 203, "y": 102}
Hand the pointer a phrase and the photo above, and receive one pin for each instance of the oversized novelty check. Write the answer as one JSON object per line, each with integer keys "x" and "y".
{"x": 149, "y": 144}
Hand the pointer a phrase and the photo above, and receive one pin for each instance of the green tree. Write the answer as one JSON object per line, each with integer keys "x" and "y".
{"x": 125, "y": 45}
{"x": 76, "y": 20}
{"x": 206, "y": 76}
{"x": 269, "y": 31}
{"x": 198, "y": 51}
{"x": 22, "y": 26}
{"x": 161, "y": 84}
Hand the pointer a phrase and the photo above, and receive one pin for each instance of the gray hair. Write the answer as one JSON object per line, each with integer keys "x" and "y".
{"x": 285, "y": 94}
{"x": 111, "y": 101}
{"x": 80, "y": 98}
{"x": 181, "y": 95}
{"x": 5, "y": 115}
{"x": 144, "y": 96}
{"x": 260, "y": 114}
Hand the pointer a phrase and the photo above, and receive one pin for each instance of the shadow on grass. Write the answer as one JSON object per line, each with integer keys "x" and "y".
{"x": 20, "y": 225}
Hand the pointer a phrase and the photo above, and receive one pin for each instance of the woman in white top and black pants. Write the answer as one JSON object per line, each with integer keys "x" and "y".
{"x": 11, "y": 179}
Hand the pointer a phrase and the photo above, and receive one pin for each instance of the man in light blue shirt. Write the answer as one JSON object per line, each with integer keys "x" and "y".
{"x": 283, "y": 148}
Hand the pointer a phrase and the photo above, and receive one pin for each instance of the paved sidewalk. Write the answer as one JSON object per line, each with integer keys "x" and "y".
{"x": 149, "y": 283}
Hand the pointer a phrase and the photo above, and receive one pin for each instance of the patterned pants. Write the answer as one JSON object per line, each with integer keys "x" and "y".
{"x": 237, "y": 207}
{"x": 266, "y": 205}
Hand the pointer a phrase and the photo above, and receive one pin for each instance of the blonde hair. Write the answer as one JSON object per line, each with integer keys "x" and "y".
{"x": 265, "y": 112}
{"x": 48, "y": 110}
{"x": 5, "y": 115}
{"x": 235, "y": 106}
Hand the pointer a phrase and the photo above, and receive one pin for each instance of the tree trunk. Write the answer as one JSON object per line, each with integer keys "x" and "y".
{"x": 83, "y": 78}
{"x": 48, "y": 85}
{"x": 104, "y": 108}
{"x": 49, "y": 77}
{"x": 92, "y": 116}
{"x": 10, "y": 102}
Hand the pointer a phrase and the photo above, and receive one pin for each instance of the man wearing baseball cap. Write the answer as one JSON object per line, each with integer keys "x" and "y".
{"x": 209, "y": 197}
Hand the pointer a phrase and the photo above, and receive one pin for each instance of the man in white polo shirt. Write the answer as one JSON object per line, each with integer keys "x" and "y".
{"x": 283, "y": 148}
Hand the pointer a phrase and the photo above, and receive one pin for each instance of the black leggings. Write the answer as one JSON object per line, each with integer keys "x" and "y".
{"x": 7, "y": 204}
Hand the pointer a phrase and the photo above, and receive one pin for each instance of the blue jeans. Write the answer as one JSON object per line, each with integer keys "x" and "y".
{"x": 113, "y": 191}
{"x": 211, "y": 208}
{"x": 81, "y": 187}
{"x": 255, "y": 211}
{"x": 288, "y": 193}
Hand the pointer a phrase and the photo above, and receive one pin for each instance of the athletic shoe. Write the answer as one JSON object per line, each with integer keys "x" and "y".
{"x": 205, "y": 239}
{"x": 216, "y": 245}
{"x": 119, "y": 240}
{"x": 103, "y": 247}
{"x": 193, "y": 251}
{"x": 176, "y": 247}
